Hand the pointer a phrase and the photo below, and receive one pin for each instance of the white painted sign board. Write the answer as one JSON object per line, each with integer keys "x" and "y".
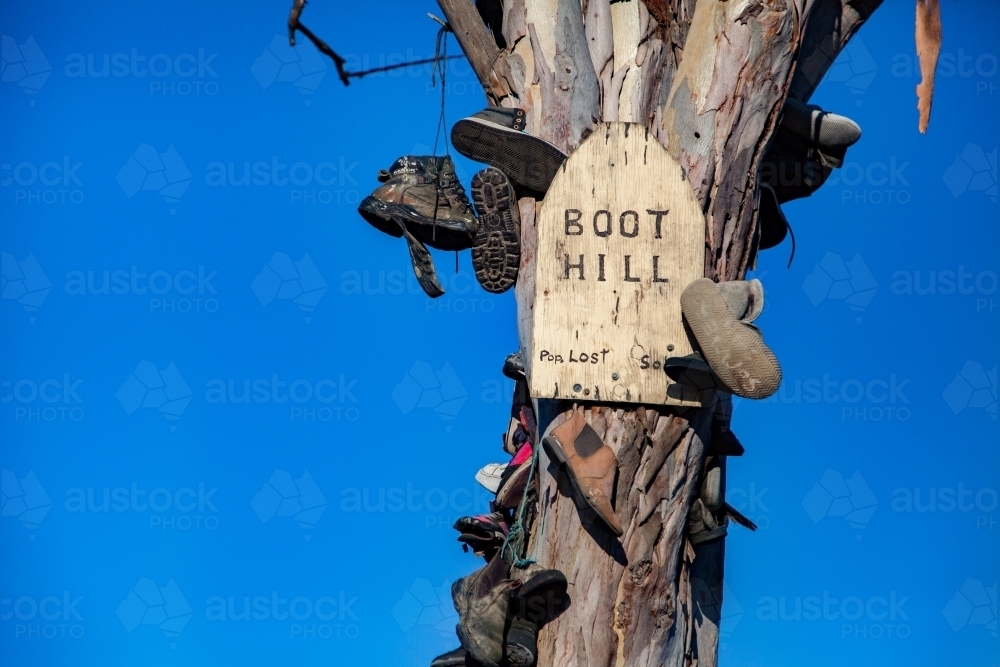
{"x": 620, "y": 235}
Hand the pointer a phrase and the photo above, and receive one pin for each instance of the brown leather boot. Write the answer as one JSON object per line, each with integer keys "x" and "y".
{"x": 589, "y": 464}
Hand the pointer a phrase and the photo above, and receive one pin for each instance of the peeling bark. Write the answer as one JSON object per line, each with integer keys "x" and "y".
{"x": 708, "y": 78}
{"x": 928, "y": 48}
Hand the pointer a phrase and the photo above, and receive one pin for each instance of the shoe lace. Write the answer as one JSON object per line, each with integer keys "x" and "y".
{"x": 514, "y": 543}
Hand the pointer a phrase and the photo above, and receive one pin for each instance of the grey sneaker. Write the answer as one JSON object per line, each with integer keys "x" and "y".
{"x": 825, "y": 130}
{"x": 495, "y": 136}
{"x": 496, "y": 251}
{"x": 733, "y": 348}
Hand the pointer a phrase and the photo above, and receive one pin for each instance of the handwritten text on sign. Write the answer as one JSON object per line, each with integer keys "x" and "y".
{"x": 620, "y": 234}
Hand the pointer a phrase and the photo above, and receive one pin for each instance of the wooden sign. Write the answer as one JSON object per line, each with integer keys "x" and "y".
{"x": 620, "y": 235}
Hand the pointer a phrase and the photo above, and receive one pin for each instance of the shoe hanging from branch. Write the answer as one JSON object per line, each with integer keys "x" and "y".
{"x": 295, "y": 24}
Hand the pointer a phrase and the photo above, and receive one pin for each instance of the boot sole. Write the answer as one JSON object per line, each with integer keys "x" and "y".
{"x": 473, "y": 649}
{"x": 496, "y": 251}
{"x": 519, "y": 656}
{"x": 526, "y": 160}
{"x": 440, "y": 235}
{"x": 735, "y": 351}
{"x": 555, "y": 451}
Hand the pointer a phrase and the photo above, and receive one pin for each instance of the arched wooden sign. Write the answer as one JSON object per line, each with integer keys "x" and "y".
{"x": 620, "y": 235}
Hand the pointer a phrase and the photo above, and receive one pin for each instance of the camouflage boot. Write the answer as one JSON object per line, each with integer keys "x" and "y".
{"x": 422, "y": 201}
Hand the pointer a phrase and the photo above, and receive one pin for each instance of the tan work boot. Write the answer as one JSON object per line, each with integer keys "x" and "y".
{"x": 589, "y": 464}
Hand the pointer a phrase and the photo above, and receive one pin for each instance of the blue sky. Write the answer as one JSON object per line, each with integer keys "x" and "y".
{"x": 873, "y": 473}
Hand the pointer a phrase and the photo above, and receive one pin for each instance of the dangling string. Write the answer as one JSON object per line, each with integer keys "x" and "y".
{"x": 517, "y": 533}
{"x": 440, "y": 67}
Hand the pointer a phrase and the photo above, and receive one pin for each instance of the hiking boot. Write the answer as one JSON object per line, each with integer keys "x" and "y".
{"x": 457, "y": 658}
{"x": 513, "y": 366}
{"x": 489, "y": 476}
{"x": 496, "y": 251}
{"x": 482, "y": 612}
{"x": 541, "y": 595}
{"x": 734, "y": 349}
{"x": 477, "y": 584}
{"x": 590, "y": 465}
{"x": 522, "y": 643}
{"x": 424, "y": 194}
{"x": 827, "y": 131}
{"x": 422, "y": 201}
{"x": 495, "y": 136}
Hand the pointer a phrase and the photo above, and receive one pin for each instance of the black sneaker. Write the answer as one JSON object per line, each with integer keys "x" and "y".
{"x": 496, "y": 251}
{"x": 495, "y": 136}
{"x": 513, "y": 366}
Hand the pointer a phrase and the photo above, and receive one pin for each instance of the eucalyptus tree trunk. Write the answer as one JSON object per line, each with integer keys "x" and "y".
{"x": 708, "y": 78}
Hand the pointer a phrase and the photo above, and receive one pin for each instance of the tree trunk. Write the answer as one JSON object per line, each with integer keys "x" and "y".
{"x": 708, "y": 78}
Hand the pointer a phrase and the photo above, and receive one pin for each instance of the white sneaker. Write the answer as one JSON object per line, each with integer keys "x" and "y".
{"x": 489, "y": 475}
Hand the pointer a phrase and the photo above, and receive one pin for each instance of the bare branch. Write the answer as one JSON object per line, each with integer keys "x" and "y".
{"x": 295, "y": 24}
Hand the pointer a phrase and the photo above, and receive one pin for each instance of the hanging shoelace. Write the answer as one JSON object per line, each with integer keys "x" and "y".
{"x": 440, "y": 69}
{"x": 518, "y": 533}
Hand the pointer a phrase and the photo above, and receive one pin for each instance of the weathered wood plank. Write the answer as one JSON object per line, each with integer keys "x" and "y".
{"x": 619, "y": 236}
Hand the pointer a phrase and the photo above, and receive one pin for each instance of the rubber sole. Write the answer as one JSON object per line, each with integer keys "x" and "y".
{"x": 526, "y": 160}
{"x": 735, "y": 351}
{"x": 496, "y": 250}
{"x": 472, "y": 648}
{"x": 441, "y": 235}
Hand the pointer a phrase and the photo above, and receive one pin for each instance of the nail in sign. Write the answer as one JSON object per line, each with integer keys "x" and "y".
{"x": 620, "y": 235}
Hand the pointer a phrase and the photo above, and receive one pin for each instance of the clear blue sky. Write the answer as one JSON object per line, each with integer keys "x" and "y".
{"x": 325, "y": 492}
